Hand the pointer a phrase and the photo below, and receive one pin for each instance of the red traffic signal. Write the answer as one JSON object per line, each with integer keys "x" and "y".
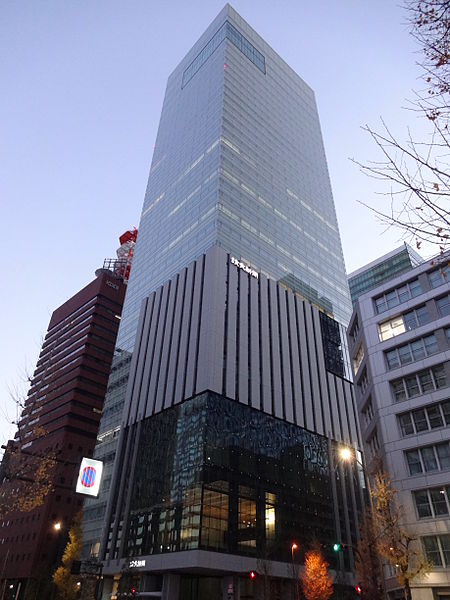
{"x": 358, "y": 590}
{"x": 133, "y": 591}
{"x": 252, "y": 575}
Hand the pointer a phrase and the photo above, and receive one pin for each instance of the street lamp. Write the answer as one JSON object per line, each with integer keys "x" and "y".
{"x": 294, "y": 547}
{"x": 57, "y": 526}
{"x": 346, "y": 453}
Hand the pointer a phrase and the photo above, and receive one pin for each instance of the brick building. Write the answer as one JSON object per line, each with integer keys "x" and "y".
{"x": 58, "y": 426}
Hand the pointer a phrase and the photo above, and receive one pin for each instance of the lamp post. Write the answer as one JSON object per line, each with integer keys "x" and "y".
{"x": 294, "y": 547}
{"x": 348, "y": 454}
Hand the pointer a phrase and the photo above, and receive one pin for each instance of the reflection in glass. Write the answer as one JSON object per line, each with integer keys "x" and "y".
{"x": 217, "y": 475}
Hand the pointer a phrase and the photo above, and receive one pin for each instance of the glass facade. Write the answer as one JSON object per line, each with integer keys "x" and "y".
{"x": 239, "y": 162}
{"x": 382, "y": 270}
{"x": 216, "y": 475}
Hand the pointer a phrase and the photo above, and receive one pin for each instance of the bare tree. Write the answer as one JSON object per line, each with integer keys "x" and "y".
{"x": 417, "y": 171}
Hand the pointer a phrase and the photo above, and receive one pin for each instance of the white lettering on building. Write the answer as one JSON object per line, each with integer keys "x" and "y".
{"x": 244, "y": 267}
{"x": 112, "y": 285}
{"x": 137, "y": 563}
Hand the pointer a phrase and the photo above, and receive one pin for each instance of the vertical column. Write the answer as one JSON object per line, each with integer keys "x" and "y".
{"x": 230, "y": 588}
{"x": 171, "y": 587}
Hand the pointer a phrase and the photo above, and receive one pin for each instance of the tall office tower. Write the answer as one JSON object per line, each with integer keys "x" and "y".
{"x": 382, "y": 269}
{"x": 58, "y": 426}
{"x": 238, "y": 370}
{"x": 399, "y": 339}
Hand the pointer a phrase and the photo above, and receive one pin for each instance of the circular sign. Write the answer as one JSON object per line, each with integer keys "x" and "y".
{"x": 88, "y": 477}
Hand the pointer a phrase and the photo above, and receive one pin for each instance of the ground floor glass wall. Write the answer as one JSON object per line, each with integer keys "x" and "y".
{"x": 217, "y": 475}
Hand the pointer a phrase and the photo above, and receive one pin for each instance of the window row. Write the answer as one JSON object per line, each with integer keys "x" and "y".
{"x": 402, "y": 323}
{"x": 424, "y": 419}
{"x": 411, "y": 352}
{"x": 398, "y": 295}
{"x": 432, "y": 502}
{"x": 419, "y": 383}
{"x": 428, "y": 458}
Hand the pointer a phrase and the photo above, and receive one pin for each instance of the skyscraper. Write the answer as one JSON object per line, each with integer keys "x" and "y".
{"x": 240, "y": 264}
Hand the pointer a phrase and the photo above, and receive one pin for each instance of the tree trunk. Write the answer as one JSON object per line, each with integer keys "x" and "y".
{"x": 407, "y": 588}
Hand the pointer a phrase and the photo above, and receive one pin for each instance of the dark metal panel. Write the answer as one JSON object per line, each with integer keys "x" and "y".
{"x": 349, "y": 412}
{"x": 295, "y": 360}
{"x": 266, "y": 386}
{"x": 342, "y": 409}
{"x": 285, "y": 355}
{"x": 210, "y": 355}
{"x": 191, "y": 365}
{"x": 274, "y": 340}
{"x": 137, "y": 363}
{"x": 180, "y": 373}
{"x": 242, "y": 391}
{"x": 161, "y": 383}
{"x": 254, "y": 344}
{"x": 321, "y": 372}
{"x": 230, "y": 383}
{"x": 176, "y": 340}
{"x": 305, "y": 368}
{"x": 157, "y": 355}
{"x": 144, "y": 403}
{"x": 314, "y": 376}
{"x": 335, "y": 414}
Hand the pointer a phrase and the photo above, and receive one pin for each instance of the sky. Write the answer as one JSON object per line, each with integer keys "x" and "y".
{"x": 82, "y": 89}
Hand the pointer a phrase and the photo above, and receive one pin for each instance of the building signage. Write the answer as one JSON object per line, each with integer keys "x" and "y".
{"x": 244, "y": 267}
{"x": 136, "y": 563}
{"x": 112, "y": 285}
{"x": 89, "y": 477}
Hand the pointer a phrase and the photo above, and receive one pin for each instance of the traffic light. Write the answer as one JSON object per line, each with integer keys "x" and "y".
{"x": 252, "y": 575}
{"x": 358, "y": 590}
{"x": 337, "y": 547}
{"x": 133, "y": 592}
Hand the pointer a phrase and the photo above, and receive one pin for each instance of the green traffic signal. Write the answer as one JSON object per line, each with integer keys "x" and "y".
{"x": 336, "y": 547}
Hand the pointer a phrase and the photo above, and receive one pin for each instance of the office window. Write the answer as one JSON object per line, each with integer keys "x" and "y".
{"x": 391, "y": 328}
{"x": 443, "y": 305}
{"x": 437, "y": 549}
{"x": 398, "y": 295}
{"x": 406, "y": 424}
{"x": 428, "y": 458}
{"x": 363, "y": 381}
{"x": 354, "y": 330}
{"x": 439, "y": 276}
{"x": 359, "y": 357}
{"x": 368, "y": 412}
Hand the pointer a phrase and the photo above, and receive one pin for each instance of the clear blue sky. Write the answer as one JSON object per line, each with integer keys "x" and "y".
{"x": 82, "y": 88}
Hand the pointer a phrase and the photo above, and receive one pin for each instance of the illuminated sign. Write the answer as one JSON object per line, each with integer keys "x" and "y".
{"x": 89, "y": 477}
{"x": 137, "y": 563}
{"x": 244, "y": 267}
